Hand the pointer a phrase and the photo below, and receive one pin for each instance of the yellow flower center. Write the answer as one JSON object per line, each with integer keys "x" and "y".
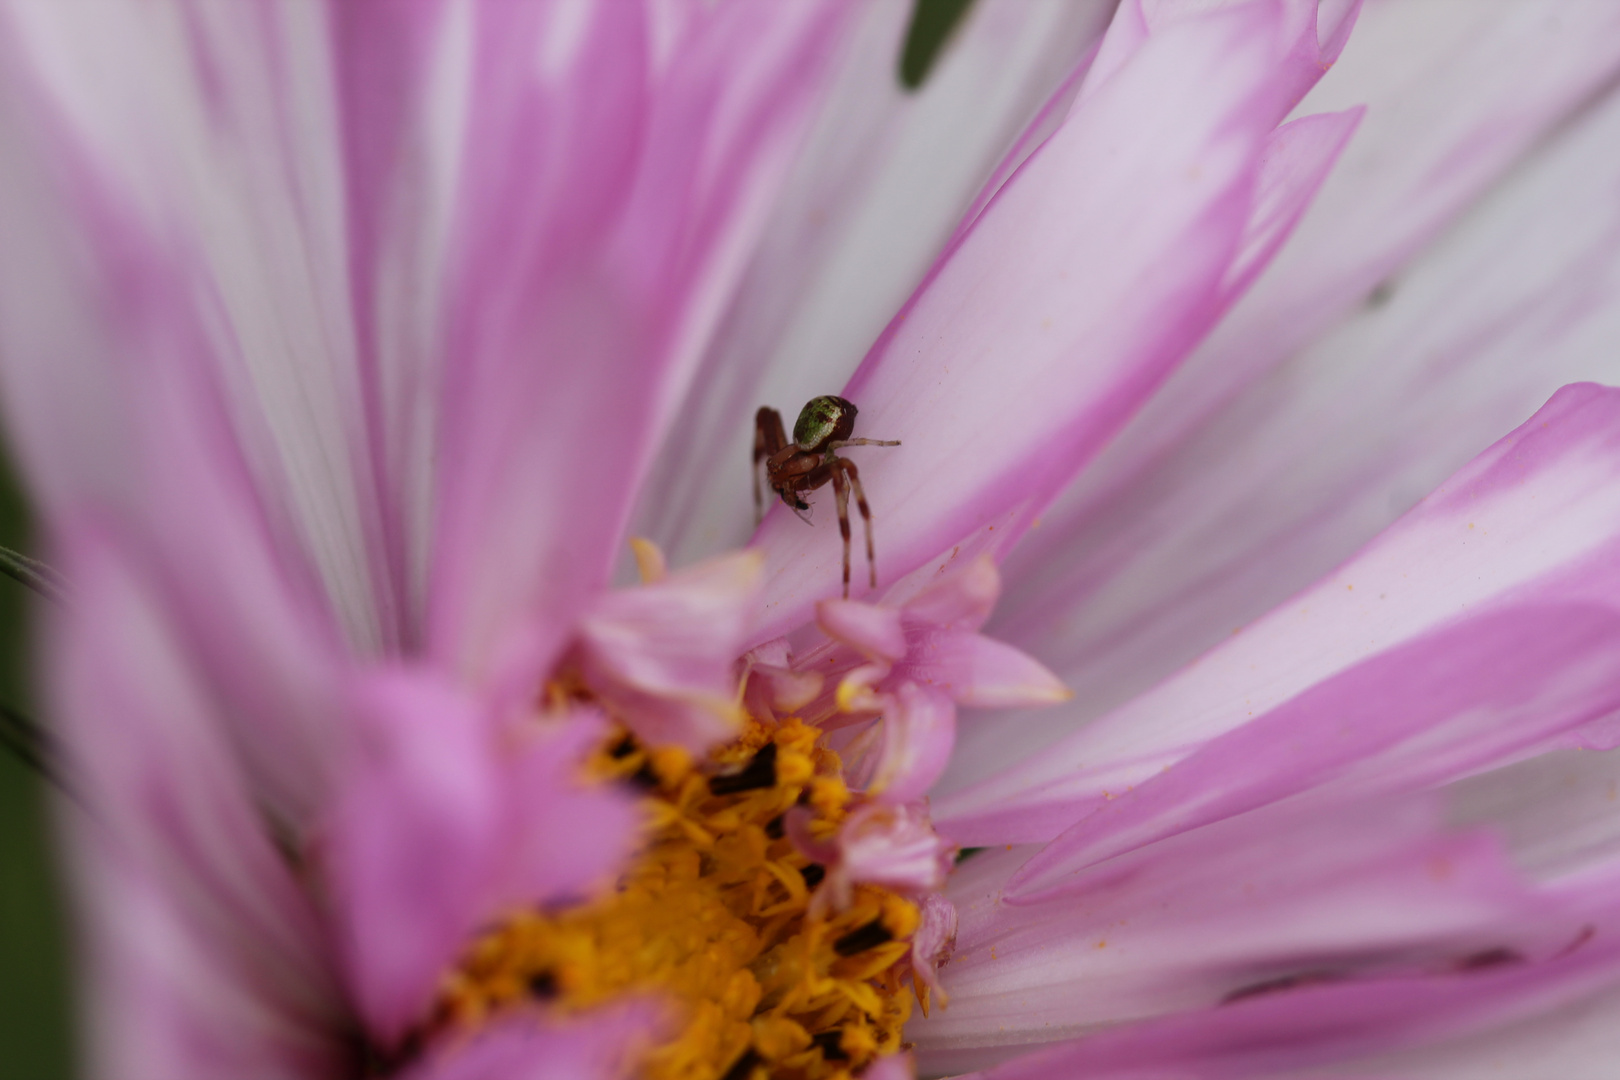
{"x": 715, "y": 915}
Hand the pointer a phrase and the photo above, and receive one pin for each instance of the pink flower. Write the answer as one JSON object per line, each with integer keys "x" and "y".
{"x": 344, "y": 344}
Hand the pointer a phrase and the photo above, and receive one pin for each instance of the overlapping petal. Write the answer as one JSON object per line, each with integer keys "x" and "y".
{"x": 910, "y": 666}
{"x": 665, "y": 653}
{"x": 229, "y": 972}
{"x": 988, "y": 441}
{"x": 1197, "y": 519}
{"x": 1290, "y": 897}
{"x": 1555, "y": 811}
{"x": 882, "y": 182}
{"x": 445, "y": 821}
{"x": 302, "y": 307}
{"x": 610, "y": 196}
{"x": 390, "y": 387}
{"x": 1322, "y": 1030}
{"x": 133, "y": 407}
{"x": 1514, "y": 548}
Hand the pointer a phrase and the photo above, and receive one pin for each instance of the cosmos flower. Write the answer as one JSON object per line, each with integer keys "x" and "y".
{"x": 346, "y": 345}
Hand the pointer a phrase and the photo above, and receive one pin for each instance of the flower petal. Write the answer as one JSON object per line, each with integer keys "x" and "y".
{"x": 1313, "y": 34}
{"x": 1287, "y": 1034}
{"x": 1445, "y": 705}
{"x": 933, "y": 943}
{"x": 892, "y": 846}
{"x": 443, "y": 826}
{"x": 202, "y": 953}
{"x": 593, "y": 1046}
{"x": 1292, "y": 896}
{"x": 1526, "y": 528}
{"x": 961, "y": 600}
{"x": 132, "y": 397}
{"x": 1298, "y": 158}
{"x": 873, "y": 631}
{"x": 1575, "y": 1040}
{"x": 891, "y": 1067}
{"x": 401, "y": 75}
{"x": 1069, "y": 261}
{"x": 671, "y": 649}
{"x": 1556, "y": 812}
{"x": 919, "y": 730}
{"x": 412, "y": 843}
{"x": 192, "y": 163}
{"x": 978, "y": 671}
{"x": 565, "y": 841}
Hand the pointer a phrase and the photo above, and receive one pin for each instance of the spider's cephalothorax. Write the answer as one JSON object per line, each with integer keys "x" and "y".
{"x": 825, "y": 426}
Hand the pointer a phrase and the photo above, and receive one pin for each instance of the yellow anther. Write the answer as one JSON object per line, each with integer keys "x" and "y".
{"x": 794, "y": 768}
{"x": 650, "y": 562}
{"x": 828, "y": 797}
{"x": 849, "y": 692}
{"x": 670, "y": 763}
{"x": 900, "y": 916}
{"x": 777, "y": 1037}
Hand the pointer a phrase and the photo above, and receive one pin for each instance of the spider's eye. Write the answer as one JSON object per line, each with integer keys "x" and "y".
{"x": 822, "y": 420}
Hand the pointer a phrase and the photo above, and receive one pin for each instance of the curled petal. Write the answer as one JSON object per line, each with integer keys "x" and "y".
{"x": 797, "y": 827}
{"x": 773, "y": 687}
{"x": 775, "y": 690}
{"x": 857, "y": 691}
{"x": 976, "y": 670}
{"x": 961, "y": 600}
{"x": 932, "y": 944}
{"x": 919, "y": 730}
{"x": 1297, "y": 160}
{"x": 894, "y": 846}
{"x": 874, "y": 632}
{"x": 666, "y": 653}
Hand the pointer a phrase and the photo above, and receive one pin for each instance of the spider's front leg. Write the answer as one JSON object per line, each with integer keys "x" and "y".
{"x": 866, "y": 512}
{"x": 769, "y": 437}
{"x": 840, "y": 484}
{"x": 846, "y": 478}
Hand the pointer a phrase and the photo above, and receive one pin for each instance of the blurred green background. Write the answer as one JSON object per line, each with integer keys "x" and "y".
{"x": 36, "y": 1039}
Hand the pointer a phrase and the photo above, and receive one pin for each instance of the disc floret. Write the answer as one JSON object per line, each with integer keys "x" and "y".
{"x": 715, "y": 916}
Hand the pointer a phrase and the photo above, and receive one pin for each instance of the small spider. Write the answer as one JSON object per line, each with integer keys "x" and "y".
{"x": 810, "y": 460}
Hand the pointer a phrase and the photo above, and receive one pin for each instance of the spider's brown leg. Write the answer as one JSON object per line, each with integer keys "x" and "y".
{"x": 840, "y": 482}
{"x": 769, "y": 437}
{"x": 848, "y": 468}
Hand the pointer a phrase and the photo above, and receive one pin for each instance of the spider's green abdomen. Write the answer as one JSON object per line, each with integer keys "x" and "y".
{"x": 823, "y": 420}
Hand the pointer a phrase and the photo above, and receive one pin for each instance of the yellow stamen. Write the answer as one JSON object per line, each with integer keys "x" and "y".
{"x": 715, "y": 916}
{"x": 650, "y": 564}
